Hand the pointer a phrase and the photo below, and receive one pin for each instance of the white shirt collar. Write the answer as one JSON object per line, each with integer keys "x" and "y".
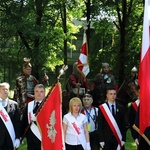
{"x": 4, "y": 102}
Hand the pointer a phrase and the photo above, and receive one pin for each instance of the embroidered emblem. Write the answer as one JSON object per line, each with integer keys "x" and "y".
{"x": 51, "y": 127}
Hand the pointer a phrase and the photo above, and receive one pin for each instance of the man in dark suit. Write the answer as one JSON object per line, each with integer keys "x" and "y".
{"x": 9, "y": 120}
{"x": 33, "y": 135}
{"x": 111, "y": 123}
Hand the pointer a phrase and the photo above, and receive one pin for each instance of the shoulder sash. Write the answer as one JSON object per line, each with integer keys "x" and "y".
{"x": 33, "y": 126}
{"x": 7, "y": 122}
{"x": 136, "y": 104}
{"x": 112, "y": 123}
{"x": 76, "y": 129}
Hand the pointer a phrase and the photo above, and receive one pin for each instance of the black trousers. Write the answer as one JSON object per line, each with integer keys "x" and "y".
{"x": 73, "y": 147}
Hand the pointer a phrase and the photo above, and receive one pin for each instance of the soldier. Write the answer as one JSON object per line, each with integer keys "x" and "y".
{"x": 25, "y": 83}
{"x": 78, "y": 84}
{"x": 101, "y": 82}
{"x": 134, "y": 76}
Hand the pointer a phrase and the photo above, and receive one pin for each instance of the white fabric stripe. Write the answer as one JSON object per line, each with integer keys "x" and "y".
{"x": 146, "y": 24}
{"x": 113, "y": 121}
{"x": 72, "y": 120}
{"x": 33, "y": 126}
{"x": 8, "y": 124}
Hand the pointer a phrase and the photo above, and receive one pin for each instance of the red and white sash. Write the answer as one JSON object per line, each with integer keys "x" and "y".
{"x": 33, "y": 126}
{"x": 112, "y": 123}
{"x": 136, "y": 104}
{"x": 7, "y": 121}
{"x": 77, "y": 130}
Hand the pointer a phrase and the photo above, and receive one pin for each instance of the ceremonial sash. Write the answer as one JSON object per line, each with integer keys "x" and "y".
{"x": 76, "y": 129}
{"x": 7, "y": 121}
{"x": 33, "y": 126}
{"x": 112, "y": 123}
{"x": 136, "y": 104}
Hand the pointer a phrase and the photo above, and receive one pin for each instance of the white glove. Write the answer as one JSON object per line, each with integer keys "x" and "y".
{"x": 17, "y": 143}
{"x": 33, "y": 117}
{"x": 122, "y": 143}
{"x": 102, "y": 144}
{"x": 88, "y": 147}
{"x": 137, "y": 141}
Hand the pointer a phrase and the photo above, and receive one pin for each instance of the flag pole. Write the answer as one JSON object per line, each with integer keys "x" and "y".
{"x": 61, "y": 72}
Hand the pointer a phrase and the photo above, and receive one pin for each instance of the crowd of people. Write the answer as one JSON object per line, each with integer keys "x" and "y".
{"x": 94, "y": 121}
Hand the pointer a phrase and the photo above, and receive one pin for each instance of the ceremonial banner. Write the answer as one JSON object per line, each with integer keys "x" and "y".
{"x": 49, "y": 121}
{"x": 144, "y": 72}
{"x": 83, "y": 65}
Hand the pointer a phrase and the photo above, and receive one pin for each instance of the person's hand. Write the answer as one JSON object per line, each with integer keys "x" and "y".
{"x": 88, "y": 147}
{"x": 17, "y": 143}
{"x": 33, "y": 117}
{"x": 78, "y": 85}
{"x": 137, "y": 141}
{"x": 102, "y": 144}
{"x": 122, "y": 143}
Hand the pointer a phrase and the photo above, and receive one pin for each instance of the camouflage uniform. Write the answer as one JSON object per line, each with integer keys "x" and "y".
{"x": 24, "y": 90}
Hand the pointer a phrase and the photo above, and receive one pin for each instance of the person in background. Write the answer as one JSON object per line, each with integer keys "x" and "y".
{"x": 132, "y": 115}
{"x": 134, "y": 76}
{"x": 25, "y": 83}
{"x": 78, "y": 84}
{"x": 33, "y": 135}
{"x": 91, "y": 113}
{"x": 9, "y": 120}
{"x": 111, "y": 123}
{"x": 101, "y": 82}
{"x": 75, "y": 127}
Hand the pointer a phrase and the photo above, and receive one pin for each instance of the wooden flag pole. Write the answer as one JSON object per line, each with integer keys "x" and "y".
{"x": 61, "y": 72}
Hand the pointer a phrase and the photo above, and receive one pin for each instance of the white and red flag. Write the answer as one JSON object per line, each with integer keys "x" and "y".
{"x": 49, "y": 121}
{"x": 83, "y": 64}
{"x": 144, "y": 72}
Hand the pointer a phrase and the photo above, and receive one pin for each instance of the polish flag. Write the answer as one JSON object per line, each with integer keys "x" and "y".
{"x": 49, "y": 121}
{"x": 144, "y": 72}
{"x": 83, "y": 65}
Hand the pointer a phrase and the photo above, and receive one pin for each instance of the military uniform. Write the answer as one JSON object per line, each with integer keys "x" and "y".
{"x": 24, "y": 90}
{"x": 101, "y": 82}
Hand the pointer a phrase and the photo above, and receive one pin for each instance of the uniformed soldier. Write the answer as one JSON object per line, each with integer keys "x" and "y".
{"x": 101, "y": 82}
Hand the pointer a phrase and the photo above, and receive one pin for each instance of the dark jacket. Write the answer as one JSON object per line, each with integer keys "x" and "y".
{"x": 104, "y": 130}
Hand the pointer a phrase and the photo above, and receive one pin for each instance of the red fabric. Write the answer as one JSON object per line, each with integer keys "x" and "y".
{"x": 144, "y": 72}
{"x": 83, "y": 65}
{"x": 110, "y": 124}
{"x": 135, "y": 106}
{"x": 49, "y": 120}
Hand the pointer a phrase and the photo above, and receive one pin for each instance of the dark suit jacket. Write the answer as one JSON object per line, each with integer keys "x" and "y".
{"x": 13, "y": 112}
{"x": 132, "y": 117}
{"x": 104, "y": 131}
{"x": 31, "y": 138}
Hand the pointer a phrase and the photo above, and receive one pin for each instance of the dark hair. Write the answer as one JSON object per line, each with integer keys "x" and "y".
{"x": 110, "y": 88}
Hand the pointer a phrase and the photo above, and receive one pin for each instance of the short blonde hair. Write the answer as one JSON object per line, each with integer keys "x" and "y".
{"x": 75, "y": 100}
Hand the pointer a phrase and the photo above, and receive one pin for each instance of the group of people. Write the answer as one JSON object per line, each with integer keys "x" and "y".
{"x": 19, "y": 114}
{"x": 89, "y": 128}
{"x": 88, "y": 125}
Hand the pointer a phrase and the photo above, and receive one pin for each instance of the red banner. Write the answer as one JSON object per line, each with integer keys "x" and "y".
{"x": 49, "y": 121}
{"x": 144, "y": 72}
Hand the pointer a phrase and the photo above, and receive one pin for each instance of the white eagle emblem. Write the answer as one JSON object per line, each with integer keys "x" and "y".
{"x": 51, "y": 127}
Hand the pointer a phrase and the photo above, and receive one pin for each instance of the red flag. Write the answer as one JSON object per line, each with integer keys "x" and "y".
{"x": 83, "y": 65}
{"x": 144, "y": 72}
{"x": 49, "y": 121}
